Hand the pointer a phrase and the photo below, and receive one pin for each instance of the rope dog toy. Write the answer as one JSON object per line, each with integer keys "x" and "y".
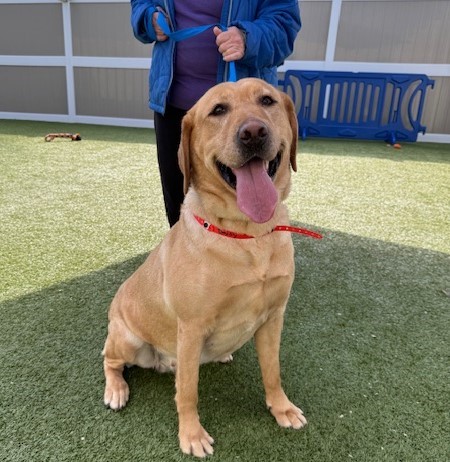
{"x": 72, "y": 136}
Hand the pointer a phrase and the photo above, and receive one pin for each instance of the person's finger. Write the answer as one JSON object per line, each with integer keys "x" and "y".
{"x": 233, "y": 55}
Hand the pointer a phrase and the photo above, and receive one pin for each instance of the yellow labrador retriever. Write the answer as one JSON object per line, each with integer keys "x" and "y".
{"x": 221, "y": 275}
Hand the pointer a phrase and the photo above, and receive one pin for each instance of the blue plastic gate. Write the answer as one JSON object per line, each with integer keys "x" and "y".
{"x": 358, "y": 104}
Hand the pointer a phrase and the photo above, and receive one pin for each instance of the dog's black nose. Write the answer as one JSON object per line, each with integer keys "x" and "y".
{"x": 253, "y": 133}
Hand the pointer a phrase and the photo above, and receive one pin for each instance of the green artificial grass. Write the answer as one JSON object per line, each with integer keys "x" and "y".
{"x": 365, "y": 349}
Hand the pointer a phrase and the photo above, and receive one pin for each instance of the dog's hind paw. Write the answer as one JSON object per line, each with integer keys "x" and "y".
{"x": 225, "y": 359}
{"x": 166, "y": 365}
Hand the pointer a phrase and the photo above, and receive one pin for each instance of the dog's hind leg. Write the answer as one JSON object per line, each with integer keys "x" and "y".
{"x": 122, "y": 348}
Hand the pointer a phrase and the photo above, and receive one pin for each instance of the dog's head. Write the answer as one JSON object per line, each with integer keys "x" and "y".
{"x": 237, "y": 144}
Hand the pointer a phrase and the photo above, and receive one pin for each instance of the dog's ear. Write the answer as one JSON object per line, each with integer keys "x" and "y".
{"x": 290, "y": 110}
{"x": 184, "y": 151}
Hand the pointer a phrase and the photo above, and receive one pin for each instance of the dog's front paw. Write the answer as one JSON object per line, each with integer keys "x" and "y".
{"x": 116, "y": 394}
{"x": 288, "y": 416}
{"x": 196, "y": 441}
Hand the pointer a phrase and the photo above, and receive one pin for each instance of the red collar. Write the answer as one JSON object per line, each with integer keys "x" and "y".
{"x": 223, "y": 232}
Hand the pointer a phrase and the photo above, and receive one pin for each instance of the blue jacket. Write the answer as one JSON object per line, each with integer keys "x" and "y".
{"x": 271, "y": 27}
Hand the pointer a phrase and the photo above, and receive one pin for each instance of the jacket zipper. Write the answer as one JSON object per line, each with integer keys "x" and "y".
{"x": 229, "y": 13}
{"x": 171, "y": 25}
{"x": 227, "y": 65}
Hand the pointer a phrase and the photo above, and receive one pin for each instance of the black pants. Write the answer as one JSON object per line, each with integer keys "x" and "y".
{"x": 168, "y": 135}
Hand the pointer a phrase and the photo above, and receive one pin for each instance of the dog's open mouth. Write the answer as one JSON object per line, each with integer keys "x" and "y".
{"x": 253, "y": 182}
{"x": 230, "y": 178}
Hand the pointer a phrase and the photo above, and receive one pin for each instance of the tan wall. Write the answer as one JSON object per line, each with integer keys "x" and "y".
{"x": 436, "y": 115}
{"x": 394, "y": 32}
{"x": 33, "y": 89}
{"x": 112, "y": 92}
{"x": 104, "y": 30}
{"x": 370, "y": 31}
{"x": 312, "y": 39}
{"x": 31, "y": 30}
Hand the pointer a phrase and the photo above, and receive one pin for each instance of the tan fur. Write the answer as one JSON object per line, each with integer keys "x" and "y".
{"x": 199, "y": 296}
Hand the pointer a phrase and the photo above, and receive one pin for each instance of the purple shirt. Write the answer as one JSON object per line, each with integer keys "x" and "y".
{"x": 196, "y": 59}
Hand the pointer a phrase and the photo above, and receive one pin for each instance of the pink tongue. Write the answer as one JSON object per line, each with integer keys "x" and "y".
{"x": 256, "y": 194}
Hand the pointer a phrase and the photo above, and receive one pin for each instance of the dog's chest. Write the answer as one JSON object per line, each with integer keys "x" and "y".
{"x": 231, "y": 335}
{"x": 253, "y": 293}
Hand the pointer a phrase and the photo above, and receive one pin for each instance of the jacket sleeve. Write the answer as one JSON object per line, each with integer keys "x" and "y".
{"x": 270, "y": 36}
{"x": 141, "y": 20}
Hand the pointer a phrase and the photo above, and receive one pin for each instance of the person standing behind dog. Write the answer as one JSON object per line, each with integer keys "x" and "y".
{"x": 260, "y": 35}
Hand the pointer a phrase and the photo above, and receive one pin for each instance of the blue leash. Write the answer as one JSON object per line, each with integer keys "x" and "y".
{"x": 184, "y": 34}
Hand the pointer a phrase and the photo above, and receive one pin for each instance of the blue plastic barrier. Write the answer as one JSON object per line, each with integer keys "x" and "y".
{"x": 358, "y": 104}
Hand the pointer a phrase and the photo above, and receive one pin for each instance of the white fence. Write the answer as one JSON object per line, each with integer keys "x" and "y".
{"x": 72, "y": 63}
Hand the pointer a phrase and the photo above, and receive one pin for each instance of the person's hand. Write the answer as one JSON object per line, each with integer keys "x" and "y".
{"x": 231, "y": 43}
{"x": 160, "y": 35}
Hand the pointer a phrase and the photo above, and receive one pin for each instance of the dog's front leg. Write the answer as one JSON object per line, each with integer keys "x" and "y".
{"x": 267, "y": 341}
{"x": 193, "y": 437}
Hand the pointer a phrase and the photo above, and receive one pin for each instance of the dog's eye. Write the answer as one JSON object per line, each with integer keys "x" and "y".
{"x": 267, "y": 100}
{"x": 219, "y": 109}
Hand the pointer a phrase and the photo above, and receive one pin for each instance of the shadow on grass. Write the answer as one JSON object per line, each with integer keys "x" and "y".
{"x": 364, "y": 353}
